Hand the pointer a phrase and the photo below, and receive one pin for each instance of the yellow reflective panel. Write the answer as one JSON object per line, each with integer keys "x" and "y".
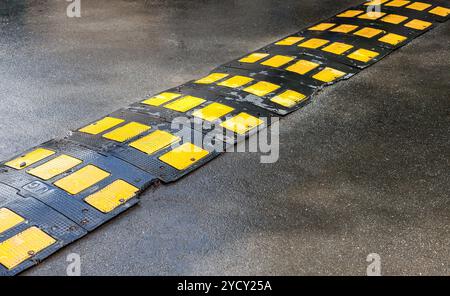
{"x": 160, "y": 99}
{"x": 236, "y": 81}
{"x": 82, "y": 179}
{"x": 363, "y": 55}
{"x": 374, "y": 15}
{"x": 288, "y": 98}
{"x": 185, "y": 104}
{"x": 420, "y": 6}
{"x": 101, "y": 125}
{"x": 376, "y": 2}
{"x": 55, "y": 167}
{"x": 29, "y": 158}
{"x": 394, "y": 19}
{"x": 213, "y": 111}
{"x": 418, "y": 24}
{"x": 112, "y": 196}
{"x": 241, "y": 123}
{"x": 277, "y": 61}
{"x": 368, "y": 32}
{"x": 211, "y": 78}
{"x": 397, "y": 3}
{"x": 126, "y": 132}
{"x": 23, "y": 246}
{"x": 261, "y": 88}
{"x": 184, "y": 156}
{"x": 9, "y": 219}
{"x": 350, "y": 13}
{"x": 329, "y": 75}
{"x": 321, "y": 27}
{"x": 253, "y": 57}
{"x": 441, "y": 11}
{"x": 289, "y": 40}
{"x": 302, "y": 67}
{"x": 314, "y": 43}
{"x": 155, "y": 141}
{"x": 392, "y": 38}
{"x": 337, "y": 48}
{"x": 344, "y": 28}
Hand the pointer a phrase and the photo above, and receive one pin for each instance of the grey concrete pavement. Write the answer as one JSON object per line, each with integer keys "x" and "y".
{"x": 362, "y": 169}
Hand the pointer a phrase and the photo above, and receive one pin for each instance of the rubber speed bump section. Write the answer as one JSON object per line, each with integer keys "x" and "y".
{"x": 436, "y": 10}
{"x": 30, "y": 231}
{"x": 161, "y": 98}
{"x": 82, "y": 179}
{"x": 112, "y": 196}
{"x": 55, "y": 167}
{"x": 184, "y": 156}
{"x": 29, "y": 158}
{"x": 9, "y": 219}
{"x": 288, "y": 98}
{"x": 127, "y": 132}
{"x": 101, "y": 125}
{"x": 155, "y": 141}
{"x": 213, "y": 112}
{"x": 329, "y": 75}
{"x": 66, "y": 192}
{"x": 242, "y": 123}
{"x": 211, "y": 78}
{"x": 23, "y": 246}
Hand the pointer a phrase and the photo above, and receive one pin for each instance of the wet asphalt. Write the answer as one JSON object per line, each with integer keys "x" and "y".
{"x": 363, "y": 169}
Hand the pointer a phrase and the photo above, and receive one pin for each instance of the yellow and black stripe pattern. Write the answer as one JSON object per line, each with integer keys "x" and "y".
{"x": 57, "y": 192}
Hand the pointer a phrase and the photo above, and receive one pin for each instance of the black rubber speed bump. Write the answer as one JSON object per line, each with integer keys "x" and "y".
{"x": 30, "y": 231}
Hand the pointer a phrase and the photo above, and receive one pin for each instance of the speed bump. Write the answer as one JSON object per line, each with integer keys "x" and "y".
{"x": 55, "y": 193}
{"x": 69, "y": 176}
{"x": 30, "y": 231}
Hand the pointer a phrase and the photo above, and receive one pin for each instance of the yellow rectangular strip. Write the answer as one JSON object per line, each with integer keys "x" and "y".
{"x": 212, "y": 112}
{"x": 368, "y": 32}
{"x": 211, "y": 78}
{"x": 302, "y": 67}
{"x": 185, "y": 103}
{"x": 394, "y": 19}
{"x": 372, "y": 15}
{"x": 29, "y": 158}
{"x": 397, "y": 3}
{"x": 160, "y": 99}
{"x": 55, "y": 167}
{"x": 289, "y": 41}
{"x": 288, "y": 98}
{"x": 261, "y": 88}
{"x": 420, "y": 6}
{"x": 112, "y": 196}
{"x": 418, "y": 24}
{"x": 23, "y": 246}
{"x": 363, "y": 55}
{"x": 392, "y": 38}
{"x": 337, "y": 48}
{"x": 441, "y": 11}
{"x": 9, "y": 219}
{"x": 344, "y": 28}
{"x": 277, "y": 61}
{"x": 321, "y": 27}
{"x": 253, "y": 57}
{"x": 350, "y": 13}
{"x": 101, "y": 125}
{"x": 329, "y": 75}
{"x": 184, "y": 156}
{"x": 314, "y": 43}
{"x": 236, "y": 81}
{"x": 127, "y": 132}
{"x": 155, "y": 141}
{"x": 82, "y": 179}
{"x": 375, "y": 2}
{"x": 242, "y": 123}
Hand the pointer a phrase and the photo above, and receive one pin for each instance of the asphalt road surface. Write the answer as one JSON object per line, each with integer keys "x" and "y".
{"x": 363, "y": 169}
